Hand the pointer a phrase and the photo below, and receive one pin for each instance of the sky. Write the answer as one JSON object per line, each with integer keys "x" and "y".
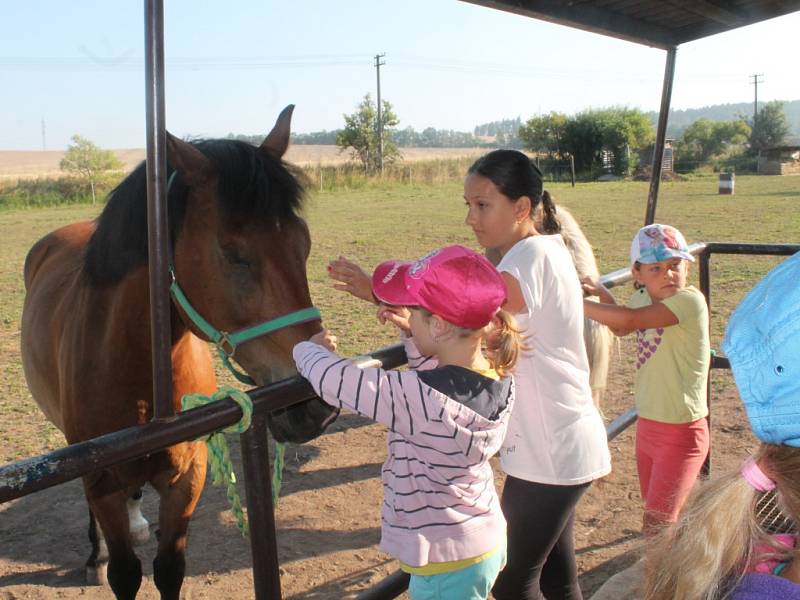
{"x": 76, "y": 67}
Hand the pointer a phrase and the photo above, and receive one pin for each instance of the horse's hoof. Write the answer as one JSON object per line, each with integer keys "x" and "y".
{"x": 97, "y": 575}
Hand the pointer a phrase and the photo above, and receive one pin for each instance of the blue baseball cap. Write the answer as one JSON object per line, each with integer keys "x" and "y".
{"x": 763, "y": 344}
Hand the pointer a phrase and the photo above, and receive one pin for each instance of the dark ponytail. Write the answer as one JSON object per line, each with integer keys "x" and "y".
{"x": 550, "y": 222}
{"x": 515, "y": 175}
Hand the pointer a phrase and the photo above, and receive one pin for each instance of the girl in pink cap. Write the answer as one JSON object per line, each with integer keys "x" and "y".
{"x": 441, "y": 515}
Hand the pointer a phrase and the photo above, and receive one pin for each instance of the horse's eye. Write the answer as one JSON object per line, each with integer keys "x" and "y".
{"x": 236, "y": 259}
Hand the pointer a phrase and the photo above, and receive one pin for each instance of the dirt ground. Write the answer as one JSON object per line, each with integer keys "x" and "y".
{"x": 327, "y": 518}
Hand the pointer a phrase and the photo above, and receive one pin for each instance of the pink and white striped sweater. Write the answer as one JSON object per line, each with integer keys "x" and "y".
{"x": 440, "y": 503}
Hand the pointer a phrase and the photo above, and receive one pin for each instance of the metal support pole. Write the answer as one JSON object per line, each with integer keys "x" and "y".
{"x": 158, "y": 230}
{"x": 705, "y": 286}
{"x": 661, "y": 136}
{"x": 260, "y": 511}
{"x": 379, "y": 124}
{"x": 572, "y": 168}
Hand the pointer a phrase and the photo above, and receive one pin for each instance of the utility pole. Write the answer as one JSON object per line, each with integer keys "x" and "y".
{"x": 44, "y": 145}
{"x": 379, "y": 125}
{"x": 755, "y": 82}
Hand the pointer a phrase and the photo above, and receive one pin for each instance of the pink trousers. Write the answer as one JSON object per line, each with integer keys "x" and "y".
{"x": 669, "y": 457}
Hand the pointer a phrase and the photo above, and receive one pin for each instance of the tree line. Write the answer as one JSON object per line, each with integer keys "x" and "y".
{"x": 494, "y": 134}
{"x": 680, "y": 119}
{"x": 605, "y": 140}
{"x": 613, "y": 140}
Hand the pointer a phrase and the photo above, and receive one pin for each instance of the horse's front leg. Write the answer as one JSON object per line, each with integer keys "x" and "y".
{"x": 179, "y": 494}
{"x": 124, "y": 568}
{"x": 97, "y": 563}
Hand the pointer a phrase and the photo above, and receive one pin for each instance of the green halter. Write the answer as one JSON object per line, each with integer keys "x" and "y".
{"x": 225, "y": 342}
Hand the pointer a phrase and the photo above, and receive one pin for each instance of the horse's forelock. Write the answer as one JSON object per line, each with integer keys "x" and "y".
{"x": 252, "y": 184}
{"x": 252, "y": 187}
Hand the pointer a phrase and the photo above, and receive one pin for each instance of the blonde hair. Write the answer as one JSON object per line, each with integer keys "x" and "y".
{"x": 704, "y": 555}
{"x": 503, "y": 337}
{"x": 504, "y": 342}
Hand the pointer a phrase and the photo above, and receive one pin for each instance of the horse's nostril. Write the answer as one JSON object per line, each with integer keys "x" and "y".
{"x": 278, "y": 373}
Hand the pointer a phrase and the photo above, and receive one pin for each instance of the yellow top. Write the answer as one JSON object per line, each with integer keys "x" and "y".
{"x": 437, "y": 568}
{"x": 490, "y": 373}
{"x": 672, "y": 366}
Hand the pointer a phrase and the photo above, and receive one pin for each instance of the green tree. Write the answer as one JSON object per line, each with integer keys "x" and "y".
{"x": 584, "y": 140}
{"x": 705, "y": 139}
{"x": 618, "y": 130}
{"x": 360, "y": 133}
{"x": 770, "y": 127}
{"x": 624, "y": 131}
{"x": 544, "y": 133}
{"x": 88, "y": 161}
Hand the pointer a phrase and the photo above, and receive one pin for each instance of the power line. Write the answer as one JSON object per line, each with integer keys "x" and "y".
{"x": 131, "y": 63}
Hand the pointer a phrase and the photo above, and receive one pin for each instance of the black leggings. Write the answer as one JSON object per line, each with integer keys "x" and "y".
{"x": 541, "y": 554}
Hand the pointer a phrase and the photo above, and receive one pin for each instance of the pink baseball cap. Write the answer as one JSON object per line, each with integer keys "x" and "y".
{"x": 457, "y": 284}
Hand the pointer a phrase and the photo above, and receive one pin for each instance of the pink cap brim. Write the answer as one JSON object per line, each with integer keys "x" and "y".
{"x": 389, "y": 284}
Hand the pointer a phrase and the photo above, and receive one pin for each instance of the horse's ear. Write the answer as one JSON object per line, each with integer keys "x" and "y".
{"x": 193, "y": 165}
{"x": 276, "y": 143}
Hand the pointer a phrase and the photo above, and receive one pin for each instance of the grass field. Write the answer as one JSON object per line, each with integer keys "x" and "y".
{"x": 404, "y": 221}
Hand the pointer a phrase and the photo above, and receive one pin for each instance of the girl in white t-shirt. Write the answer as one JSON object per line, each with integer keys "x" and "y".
{"x": 556, "y": 442}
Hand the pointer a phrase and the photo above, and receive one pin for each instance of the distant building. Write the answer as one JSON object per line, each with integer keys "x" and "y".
{"x": 666, "y": 162}
{"x": 780, "y": 160}
{"x": 647, "y": 155}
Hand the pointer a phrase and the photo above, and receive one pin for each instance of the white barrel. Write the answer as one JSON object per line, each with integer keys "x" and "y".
{"x": 726, "y": 183}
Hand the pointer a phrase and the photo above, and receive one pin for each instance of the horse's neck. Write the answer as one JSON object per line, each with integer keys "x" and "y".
{"x": 129, "y": 308}
{"x": 192, "y": 367}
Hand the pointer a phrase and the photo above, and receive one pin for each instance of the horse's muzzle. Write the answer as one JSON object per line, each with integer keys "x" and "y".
{"x": 302, "y": 422}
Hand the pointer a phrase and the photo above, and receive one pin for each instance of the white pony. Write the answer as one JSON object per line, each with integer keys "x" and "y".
{"x": 599, "y": 339}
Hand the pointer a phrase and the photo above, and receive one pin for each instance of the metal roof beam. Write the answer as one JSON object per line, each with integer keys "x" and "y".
{"x": 709, "y": 11}
{"x": 748, "y": 15}
{"x": 587, "y": 17}
{"x": 644, "y": 21}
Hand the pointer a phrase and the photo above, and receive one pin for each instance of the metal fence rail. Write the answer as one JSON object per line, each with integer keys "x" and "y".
{"x": 29, "y": 475}
{"x": 23, "y": 477}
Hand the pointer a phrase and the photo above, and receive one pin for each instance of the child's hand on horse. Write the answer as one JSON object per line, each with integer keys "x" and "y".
{"x": 325, "y": 339}
{"x": 396, "y": 315}
{"x": 594, "y": 288}
{"x": 351, "y": 278}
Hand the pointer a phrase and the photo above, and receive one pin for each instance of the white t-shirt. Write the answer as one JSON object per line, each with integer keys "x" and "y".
{"x": 555, "y": 435}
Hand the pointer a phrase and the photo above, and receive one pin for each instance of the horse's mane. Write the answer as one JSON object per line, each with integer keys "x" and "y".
{"x": 577, "y": 244}
{"x": 252, "y": 186}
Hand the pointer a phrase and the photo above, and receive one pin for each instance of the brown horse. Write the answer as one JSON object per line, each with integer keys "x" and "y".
{"x": 239, "y": 251}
